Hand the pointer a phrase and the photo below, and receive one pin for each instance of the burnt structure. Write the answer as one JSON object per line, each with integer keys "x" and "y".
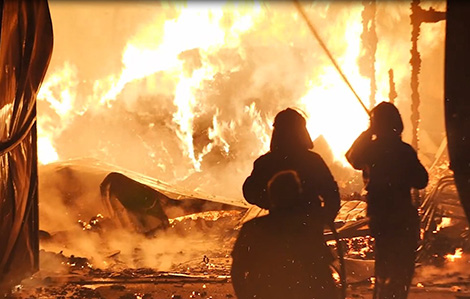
{"x": 457, "y": 96}
{"x": 418, "y": 16}
{"x": 392, "y": 94}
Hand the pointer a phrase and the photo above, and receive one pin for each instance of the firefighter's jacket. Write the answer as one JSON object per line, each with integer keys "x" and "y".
{"x": 318, "y": 185}
{"x": 390, "y": 169}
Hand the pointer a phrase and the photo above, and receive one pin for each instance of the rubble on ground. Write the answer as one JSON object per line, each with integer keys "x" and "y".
{"x": 199, "y": 266}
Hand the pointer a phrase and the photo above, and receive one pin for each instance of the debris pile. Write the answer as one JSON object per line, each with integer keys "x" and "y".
{"x": 95, "y": 257}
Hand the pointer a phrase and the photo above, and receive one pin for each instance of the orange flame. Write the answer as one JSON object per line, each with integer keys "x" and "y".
{"x": 445, "y": 222}
{"x": 453, "y": 257}
{"x": 275, "y": 61}
{"x": 59, "y": 91}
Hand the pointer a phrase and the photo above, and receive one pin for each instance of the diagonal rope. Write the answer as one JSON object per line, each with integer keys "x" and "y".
{"x": 328, "y": 53}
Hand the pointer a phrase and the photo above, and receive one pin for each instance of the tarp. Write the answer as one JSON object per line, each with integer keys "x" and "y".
{"x": 25, "y": 50}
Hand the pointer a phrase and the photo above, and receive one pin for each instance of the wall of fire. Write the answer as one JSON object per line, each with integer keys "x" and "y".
{"x": 187, "y": 92}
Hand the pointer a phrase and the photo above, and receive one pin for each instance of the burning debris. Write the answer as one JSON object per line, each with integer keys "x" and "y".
{"x": 360, "y": 248}
{"x": 198, "y": 226}
{"x": 93, "y": 223}
{"x": 216, "y": 220}
{"x": 444, "y": 227}
{"x": 452, "y": 257}
{"x": 95, "y": 257}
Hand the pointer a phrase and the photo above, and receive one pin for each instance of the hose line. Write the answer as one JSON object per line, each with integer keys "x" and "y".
{"x": 328, "y": 53}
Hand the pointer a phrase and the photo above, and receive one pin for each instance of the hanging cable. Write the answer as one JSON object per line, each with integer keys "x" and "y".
{"x": 328, "y": 53}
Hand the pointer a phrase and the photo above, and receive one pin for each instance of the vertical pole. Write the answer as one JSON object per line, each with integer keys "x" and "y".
{"x": 415, "y": 62}
{"x": 392, "y": 94}
{"x": 418, "y": 16}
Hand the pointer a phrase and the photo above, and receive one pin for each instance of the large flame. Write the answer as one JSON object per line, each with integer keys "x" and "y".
{"x": 200, "y": 84}
{"x": 334, "y": 111}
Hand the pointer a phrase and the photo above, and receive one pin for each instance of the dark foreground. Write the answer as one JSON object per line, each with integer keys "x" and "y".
{"x": 202, "y": 279}
{"x": 199, "y": 289}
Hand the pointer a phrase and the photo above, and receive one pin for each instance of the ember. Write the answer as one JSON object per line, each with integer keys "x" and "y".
{"x": 207, "y": 216}
{"x": 360, "y": 247}
{"x": 94, "y": 221}
{"x": 457, "y": 255}
{"x": 336, "y": 277}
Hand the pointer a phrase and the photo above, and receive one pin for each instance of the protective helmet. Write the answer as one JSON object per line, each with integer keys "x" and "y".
{"x": 385, "y": 119}
{"x": 290, "y": 131}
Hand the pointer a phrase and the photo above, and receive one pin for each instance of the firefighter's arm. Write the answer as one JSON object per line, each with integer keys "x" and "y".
{"x": 329, "y": 192}
{"x": 356, "y": 155}
{"x": 255, "y": 186}
{"x": 420, "y": 175}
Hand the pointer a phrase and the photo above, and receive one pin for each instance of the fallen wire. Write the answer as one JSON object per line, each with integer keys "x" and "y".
{"x": 328, "y": 53}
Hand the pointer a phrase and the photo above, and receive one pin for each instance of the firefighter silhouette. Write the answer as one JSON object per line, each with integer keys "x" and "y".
{"x": 291, "y": 149}
{"x": 390, "y": 170}
{"x": 283, "y": 254}
{"x": 316, "y": 205}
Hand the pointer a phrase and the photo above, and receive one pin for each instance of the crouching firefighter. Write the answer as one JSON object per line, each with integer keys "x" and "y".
{"x": 283, "y": 254}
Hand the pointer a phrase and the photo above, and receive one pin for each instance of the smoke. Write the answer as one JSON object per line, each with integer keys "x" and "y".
{"x": 261, "y": 60}
{"x": 455, "y": 272}
{"x": 70, "y": 201}
{"x": 118, "y": 249}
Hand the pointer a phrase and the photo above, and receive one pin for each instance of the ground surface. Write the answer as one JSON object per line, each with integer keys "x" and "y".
{"x": 210, "y": 279}
{"x": 208, "y": 289}
{"x": 193, "y": 258}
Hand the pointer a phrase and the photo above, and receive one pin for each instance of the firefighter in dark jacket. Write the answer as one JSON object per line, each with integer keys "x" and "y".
{"x": 390, "y": 170}
{"x": 291, "y": 150}
{"x": 282, "y": 255}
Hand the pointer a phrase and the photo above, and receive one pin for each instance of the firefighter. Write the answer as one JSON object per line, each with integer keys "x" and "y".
{"x": 282, "y": 254}
{"x": 390, "y": 170}
{"x": 291, "y": 149}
